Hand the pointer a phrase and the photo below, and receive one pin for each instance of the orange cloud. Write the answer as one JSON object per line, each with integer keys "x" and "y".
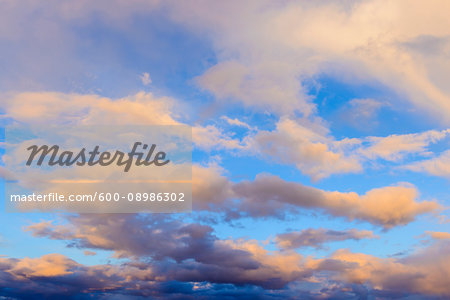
{"x": 43, "y": 107}
{"x": 388, "y": 206}
{"x": 439, "y": 235}
{"x": 49, "y": 265}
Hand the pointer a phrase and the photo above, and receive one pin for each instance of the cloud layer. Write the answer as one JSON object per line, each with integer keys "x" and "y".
{"x": 191, "y": 253}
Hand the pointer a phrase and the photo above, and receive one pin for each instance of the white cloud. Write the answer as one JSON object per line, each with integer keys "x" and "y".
{"x": 211, "y": 137}
{"x": 236, "y": 122}
{"x": 396, "y": 147}
{"x": 317, "y": 154}
{"x": 145, "y": 78}
{"x": 266, "y": 49}
{"x": 310, "y": 151}
{"x": 437, "y": 166}
{"x": 360, "y": 113}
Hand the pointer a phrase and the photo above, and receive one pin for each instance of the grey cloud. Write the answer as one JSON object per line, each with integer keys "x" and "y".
{"x": 317, "y": 237}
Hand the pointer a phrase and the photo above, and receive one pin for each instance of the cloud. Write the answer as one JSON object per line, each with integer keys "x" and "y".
{"x": 425, "y": 271}
{"x": 236, "y": 122}
{"x": 35, "y": 108}
{"x": 265, "y": 86}
{"x": 184, "y": 252}
{"x": 59, "y": 108}
{"x": 142, "y": 108}
{"x": 387, "y": 206}
{"x": 46, "y": 52}
{"x": 89, "y": 253}
{"x": 210, "y": 188}
{"x": 396, "y": 147}
{"x": 437, "y": 166}
{"x": 267, "y": 53}
{"x": 6, "y": 174}
{"x": 265, "y": 196}
{"x": 211, "y": 137}
{"x": 365, "y": 108}
{"x": 317, "y": 237}
{"x": 314, "y": 152}
{"x": 133, "y": 280}
{"x": 267, "y": 50}
{"x": 310, "y": 150}
{"x": 129, "y": 235}
{"x": 361, "y": 113}
{"x": 53, "y": 276}
{"x": 271, "y": 196}
{"x": 145, "y": 78}
{"x": 49, "y": 266}
{"x": 307, "y": 145}
{"x": 190, "y": 253}
{"x": 439, "y": 235}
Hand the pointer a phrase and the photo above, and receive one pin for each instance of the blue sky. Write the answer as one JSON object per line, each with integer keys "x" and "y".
{"x": 330, "y": 82}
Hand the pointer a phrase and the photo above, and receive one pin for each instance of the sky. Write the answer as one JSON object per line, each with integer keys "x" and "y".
{"x": 320, "y": 132}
